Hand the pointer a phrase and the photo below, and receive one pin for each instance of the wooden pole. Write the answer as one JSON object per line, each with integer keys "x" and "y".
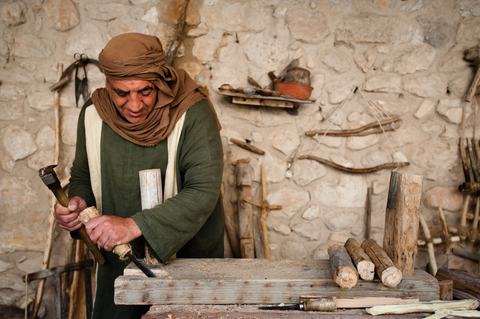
{"x": 445, "y": 233}
{"x": 151, "y": 193}
{"x": 343, "y": 270}
{"x": 401, "y": 220}
{"x": 431, "y": 252}
{"x": 245, "y": 217}
{"x": 51, "y": 219}
{"x": 265, "y": 211}
{"x": 368, "y": 214}
{"x": 386, "y": 270}
{"x": 74, "y": 287}
{"x": 365, "y": 266}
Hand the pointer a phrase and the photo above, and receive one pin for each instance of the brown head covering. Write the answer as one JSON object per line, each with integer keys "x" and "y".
{"x": 135, "y": 56}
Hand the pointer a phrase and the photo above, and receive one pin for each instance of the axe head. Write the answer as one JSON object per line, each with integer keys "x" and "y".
{"x": 49, "y": 177}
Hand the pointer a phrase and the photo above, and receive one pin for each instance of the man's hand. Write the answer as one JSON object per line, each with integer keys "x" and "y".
{"x": 109, "y": 231}
{"x": 67, "y": 216}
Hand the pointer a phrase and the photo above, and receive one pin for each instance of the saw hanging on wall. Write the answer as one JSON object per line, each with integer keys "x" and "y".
{"x": 81, "y": 84}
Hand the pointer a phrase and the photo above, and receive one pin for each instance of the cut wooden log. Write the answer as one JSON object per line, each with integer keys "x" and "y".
{"x": 385, "y": 269}
{"x": 365, "y": 266}
{"x": 343, "y": 270}
{"x": 446, "y": 289}
{"x": 245, "y": 217}
{"x": 468, "y": 304}
{"x": 401, "y": 220}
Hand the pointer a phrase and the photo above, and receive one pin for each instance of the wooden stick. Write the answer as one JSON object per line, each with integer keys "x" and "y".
{"x": 467, "y": 304}
{"x": 368, "y": 213}
{"x": 365, "y": 266}
{"x": 247, "y": 146}
{"x": 360, "y": 131}
{"x": 443, "y": 313}
{"x": 245, "y": 217}
{"x": 446, "y": 289}
{"x": 446, "y": 235}
{"x": 51, "y": 219}
{"x": 265, "y": 211}
{"x": 74, "y": 287}
{"x": 401, "y": 220}
{"x": 466, "y": 254}
{"x": 386, "y": 270}
{"x": 436, "y": 241}
{"x": 343, "y": 270}
{"x": 363, "y": 302}
{"x": 272, "y": 207}
{"x": 472, "y": 55}
{"x": 172, "y": 52}
{"x": 355, "y": 170}
{"x": 151, "y": 194}
{"x": 431, "y": 252}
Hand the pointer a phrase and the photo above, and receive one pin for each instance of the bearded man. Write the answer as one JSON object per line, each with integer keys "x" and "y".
{"x": 148, "y": 116}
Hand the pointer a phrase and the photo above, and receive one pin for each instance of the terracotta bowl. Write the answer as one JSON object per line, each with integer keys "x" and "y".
{"x": 295, "y": 90}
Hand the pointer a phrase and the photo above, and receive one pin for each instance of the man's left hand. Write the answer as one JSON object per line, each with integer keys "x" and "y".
{"x": 109, "y": 231}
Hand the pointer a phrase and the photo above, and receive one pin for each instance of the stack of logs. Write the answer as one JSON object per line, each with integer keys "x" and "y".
{"x": 368, "y": 259}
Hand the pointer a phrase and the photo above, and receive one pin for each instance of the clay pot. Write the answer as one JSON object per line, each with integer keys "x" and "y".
{"x": 297, "y": 75}
{"x": 295, "y": 90}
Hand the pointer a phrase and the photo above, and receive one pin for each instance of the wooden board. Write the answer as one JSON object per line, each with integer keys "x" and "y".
{"x": 260, "y": 100}
{"x": 253, "y": 281}
{"x": 251, "y": 312}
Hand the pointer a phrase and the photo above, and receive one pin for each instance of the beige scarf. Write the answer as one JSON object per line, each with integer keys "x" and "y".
{"x": 141, "y": 57}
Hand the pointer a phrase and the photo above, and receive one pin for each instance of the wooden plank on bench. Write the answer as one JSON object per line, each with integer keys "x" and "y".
{"x": 253, "y": 281}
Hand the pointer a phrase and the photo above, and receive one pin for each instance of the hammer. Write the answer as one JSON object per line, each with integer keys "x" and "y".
{"x": 49, "y": 177}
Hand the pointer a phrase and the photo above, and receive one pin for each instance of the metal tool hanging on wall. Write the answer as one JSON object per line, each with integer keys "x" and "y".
{"x": 81, "y": 85}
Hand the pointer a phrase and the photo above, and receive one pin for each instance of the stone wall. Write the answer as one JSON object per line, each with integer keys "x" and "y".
{"x": 406, "y": 57}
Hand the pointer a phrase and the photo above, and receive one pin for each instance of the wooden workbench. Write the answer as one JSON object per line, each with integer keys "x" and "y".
{"x": 253, "y": 282}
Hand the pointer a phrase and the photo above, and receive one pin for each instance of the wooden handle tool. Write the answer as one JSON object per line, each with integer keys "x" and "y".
{"x": 122, "y": 250}
{"x": 50, "y": 179}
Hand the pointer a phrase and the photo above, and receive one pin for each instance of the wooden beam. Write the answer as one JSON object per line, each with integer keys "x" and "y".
{"x": 253, "y": 281}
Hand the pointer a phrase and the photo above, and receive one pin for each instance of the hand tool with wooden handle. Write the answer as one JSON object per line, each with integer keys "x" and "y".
{"x": 122, "y": 250}
{"x": 49, "y": 177}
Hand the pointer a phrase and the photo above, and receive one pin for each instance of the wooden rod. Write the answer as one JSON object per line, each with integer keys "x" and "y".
{"x": 355, "y": 170}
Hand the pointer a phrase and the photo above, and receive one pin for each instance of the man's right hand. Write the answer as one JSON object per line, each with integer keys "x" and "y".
{"x": 67, "y": 217}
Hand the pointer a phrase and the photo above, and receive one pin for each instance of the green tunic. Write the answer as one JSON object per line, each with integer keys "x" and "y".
{"x": 190, "y": 224}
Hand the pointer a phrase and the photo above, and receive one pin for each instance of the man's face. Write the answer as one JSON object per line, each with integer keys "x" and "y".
{"x": 134, "y": 99}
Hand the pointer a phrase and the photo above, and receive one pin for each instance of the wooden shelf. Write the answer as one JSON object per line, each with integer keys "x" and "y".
{"x": 260, "y": 100}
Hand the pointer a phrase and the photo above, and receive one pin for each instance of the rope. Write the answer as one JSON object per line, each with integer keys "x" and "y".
{"x": 378, "y": 121}
{"x": 331, "y": 122}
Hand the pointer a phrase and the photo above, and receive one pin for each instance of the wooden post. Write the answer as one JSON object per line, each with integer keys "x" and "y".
{"x": 343, "y": 270}
{"x": 446, "y": 289}
{"x": 151, "y": 193}
{"x": 386, "y": 270}
{"x": 245, "y": 219}
{"x": 365, "y": 266}
{"x": 401, "y": 220}
{"x": 431, "y": 252}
